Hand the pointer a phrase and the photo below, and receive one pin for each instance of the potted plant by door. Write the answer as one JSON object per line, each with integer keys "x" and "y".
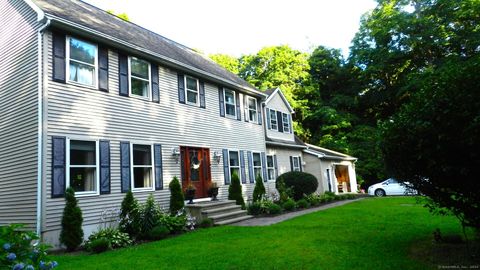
{"x": 213, "y": 191}
{"x": 190, "y": 193}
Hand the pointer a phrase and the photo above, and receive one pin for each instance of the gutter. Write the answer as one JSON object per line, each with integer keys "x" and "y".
{"x": 323, "y": 155}
{"x": 68, "y": 25}
{"x": 46, "y": 22}
{"x": 286, "y": 145}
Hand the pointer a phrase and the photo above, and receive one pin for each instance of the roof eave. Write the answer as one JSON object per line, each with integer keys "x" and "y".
{"x": 286, "y": 145}
{"x": 121, "y": 44}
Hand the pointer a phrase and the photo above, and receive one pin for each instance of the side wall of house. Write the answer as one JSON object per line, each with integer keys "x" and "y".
{"x": 86, "y": 113}
{"x": 313, "y": 165}
{"x": 283, "y": 161}
{"x": 18, "y": 113}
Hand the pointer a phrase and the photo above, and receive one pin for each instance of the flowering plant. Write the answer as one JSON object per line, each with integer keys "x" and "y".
{"x": 20, "y": 250}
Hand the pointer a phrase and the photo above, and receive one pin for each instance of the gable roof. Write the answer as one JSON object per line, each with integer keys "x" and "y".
{"x": 324, "y": 153}
{"x": 272, "y": 92}
{"x": 83, "y": 18}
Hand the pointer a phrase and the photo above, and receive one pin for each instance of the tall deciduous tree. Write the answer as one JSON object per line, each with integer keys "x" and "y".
{"x": 229, "y": 62}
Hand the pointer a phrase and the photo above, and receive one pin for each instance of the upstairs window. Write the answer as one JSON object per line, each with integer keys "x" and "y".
{"x": 139, "y": 77}
{"x": 234, "y": 162}
{"x": 257, "y": 165}
{"x": 286, "y": 123}
{"x": 82, "y": 60}
{"x": 83, "y": 167}
{"x": 142, "y": 167}
{"x": 191, "y": 90}
{"x": 273, "y": 119}
{"x": 230, "y": 102}
{"x": 252, "y": 110}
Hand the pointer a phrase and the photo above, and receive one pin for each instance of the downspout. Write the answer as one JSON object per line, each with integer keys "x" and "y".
{"x": 40, "y": 124}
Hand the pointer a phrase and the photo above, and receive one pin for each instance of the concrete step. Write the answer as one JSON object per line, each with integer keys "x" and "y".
{"x": 229, "y": 215}
{"x": 220, "y": 210}
{"x": 211, "y": 204}
{"x": 233, "y": 220}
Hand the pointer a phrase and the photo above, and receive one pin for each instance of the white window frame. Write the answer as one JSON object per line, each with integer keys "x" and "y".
{"x": 286, "y": 128}
{"x": 96, "y": 166}
{"x": 296, "y": 169}
{"x": 271, "y": 119}
{"x": 148, "y": 97}
{"x": 132, "y": 166}
{"x": 256, "y": 167}
{"x": 271, "y": 168}
{"x": 234, "y": 116}
{"x": 256, "y": 109}
{"x": 68, "y": 59}
{"x": 197, "y": 103}
{"x": 239, "y": 165}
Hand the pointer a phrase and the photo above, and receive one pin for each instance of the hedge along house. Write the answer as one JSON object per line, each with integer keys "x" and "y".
{"x": 102, "y": 105}
{"x": 334, "y": 171}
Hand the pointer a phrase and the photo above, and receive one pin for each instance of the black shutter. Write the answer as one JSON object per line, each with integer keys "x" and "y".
{"x": 221, "y": 101}
{"x": 251, "y": 174}
{"x": 237, "y": 104}
{"x": 125, "y": 165}
{"x": 103, "y": 68}
{"x": 59, "y": 65}
{"x": 245, "y": 108}
{"x": 202, "y": 94}
{"x": 290, "y": 123}
{"x": 181, "y": 88}
{"x": 242, "y": 167}
{"x": 264, "y": 167}
{"x": 123, "y": 74}
{"x": 300, "y": 163}
{"x": 157, "y": 153}
{"x": 155, "y": 88}
{"x": 58, "y": 166}
{"x": 279, "y": 121}
{"x": 259, "y": 111}
{"x": 291, "y": 163}
{"x": 226, "y": 169}
{"x": 104, "y": 147}
{"x": 269, "y": 123}
{"x": 275, "y": 163}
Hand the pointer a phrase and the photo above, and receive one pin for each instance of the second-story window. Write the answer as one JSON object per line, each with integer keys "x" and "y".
{"x": 191, "y": 90}
{"x": 286, "y": 123}
{"x": 82, "y": 61}
{"x": 139, "y": 77}
{"x": 230, "y": 103}
{"x": 273, "y": 119}
{"x": 252, "y": 110}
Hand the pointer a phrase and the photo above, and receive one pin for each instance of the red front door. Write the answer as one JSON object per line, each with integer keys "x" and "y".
{"x": 196, "y": 169}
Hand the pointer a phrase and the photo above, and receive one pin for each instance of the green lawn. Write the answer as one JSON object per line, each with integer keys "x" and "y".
{"x": 374, "y": 233}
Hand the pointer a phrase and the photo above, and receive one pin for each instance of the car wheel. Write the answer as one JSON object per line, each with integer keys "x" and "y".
{"x": 380, "y": 192}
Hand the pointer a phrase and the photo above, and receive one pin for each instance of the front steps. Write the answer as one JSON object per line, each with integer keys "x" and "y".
{"x": 221, "y": 212}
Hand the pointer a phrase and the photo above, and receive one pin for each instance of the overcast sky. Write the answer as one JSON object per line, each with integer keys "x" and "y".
{"x": 246, "y": 26}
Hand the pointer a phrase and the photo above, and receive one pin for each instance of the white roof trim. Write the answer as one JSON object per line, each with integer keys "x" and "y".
{"x": 324, "y": 156}
{"x": 278, "y": 90}
{"x": 321, "y": 149}
{"x": 286, "y": 145}
{"x": 40, "y": 13}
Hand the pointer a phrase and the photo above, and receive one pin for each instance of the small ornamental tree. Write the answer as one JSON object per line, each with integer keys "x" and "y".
{"x": 235, "y": 191}
{"x": 259, "y": 190}
{"x": 128, "y": 214}
{"x": 177, "y": 201}
{"x": 72, "y": 234}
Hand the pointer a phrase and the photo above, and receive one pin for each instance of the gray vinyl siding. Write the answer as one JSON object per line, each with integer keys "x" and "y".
{"x": 75, "y": 111}
{"x": 276, "y": 103}
{"x": 283, "y": 160}
{"x": 18, "y": 113}
{"x": 314, "y": 166}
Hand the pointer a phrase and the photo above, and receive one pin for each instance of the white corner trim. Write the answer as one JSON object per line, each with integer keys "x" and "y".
{"x": 40, "y": 13}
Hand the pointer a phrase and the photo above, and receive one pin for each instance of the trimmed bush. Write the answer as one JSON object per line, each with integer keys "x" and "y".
{"x": 158, "y": 232}
{"x": 206, "y": 223}
{"x": 302, "y": 203}
{"x": 175, "y": 224}
{"x": 301, "y": 183}
{"x": 99, "y": 245}
{"x": 255, "y": 208}
{"x": 129, "y": 215}
{"x": 289, "y": 205}
{"x": 71, "y": 234}
{"x": 259, "y": 190}
{"x": 235, "y": 191}
{"x": 284, "y": 192}
{"x": 177, "y": 201}
{"x": 274, "y": 209}
{"x": 313, "y": 199}
{"x": 115, "y": 237}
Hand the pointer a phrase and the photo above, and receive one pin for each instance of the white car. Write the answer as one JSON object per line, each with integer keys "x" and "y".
{"x": 390, "y": 187}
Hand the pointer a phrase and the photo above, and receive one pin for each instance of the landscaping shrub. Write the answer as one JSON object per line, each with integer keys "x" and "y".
{"x": 158, "y": 232}
{"x": 313, "y": 199}
{"x": 99, "y": 245}
{"x": 149, "y": 214}
{"x": 302, "y": 203}
{"x": 274, "y": 209}
{"x": 259, "y": 190}
{"x": 17, "y": 249}
{"x": 301, "y": 183}
{"x": 206, "y": 223}
{"x": 175, "y": 224}
{"x": 129, "y": 215}
{"x": 289, "y": 205}
{"x": 235, "y": 191}
{"x": 71, "y": 234}
{"x": 283, "y": 192}
{"x": 255, "y": 208}
{"x": 177, "y": 200}
{"x": 351, "y": 196}
{"x": 116, "y": 238}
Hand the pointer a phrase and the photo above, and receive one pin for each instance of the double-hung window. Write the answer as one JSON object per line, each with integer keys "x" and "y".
{"x": 83, "y": 167}
{"x": 296, "y": 164}
{"x": 234, "y": 162}
{"x": 270, "y": 168}
{"x": 230, "y": 103}
{"x": 142, "y": 167}
{"x": 257, "y": 165}
{"x": 82, "y": 59}
{"x": 286, "y": 123}
{"x": 139, "y": 77}
{"x": 273, "y": 119}
{"x": 252, "y": 109}
{"x": 191, "y": 90}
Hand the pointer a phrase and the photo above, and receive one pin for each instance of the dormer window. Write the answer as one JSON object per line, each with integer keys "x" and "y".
{"x": 273, "y": 120}
{"x": 286, "y": 123}
{"x": 82, "y": 62}
{"x": 252, "y": 109}
{"x": 230, "y": 102}
{"x": 191, "y": 90}
{"x": 139, "y": 77}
